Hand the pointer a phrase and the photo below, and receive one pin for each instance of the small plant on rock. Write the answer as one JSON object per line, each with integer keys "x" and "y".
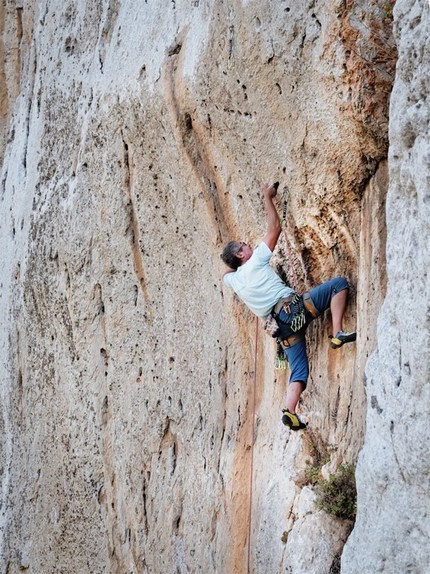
{"x": 388, "y": 8}
{"x": 338, "y": 494}
{"x": 319, "y": 452}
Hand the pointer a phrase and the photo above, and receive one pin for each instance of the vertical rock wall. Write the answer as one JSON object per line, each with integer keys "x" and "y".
{"x": 136, "y": 138}
{"x": 393, "y": 529}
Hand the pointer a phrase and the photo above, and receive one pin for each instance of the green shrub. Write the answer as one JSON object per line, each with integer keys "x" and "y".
{"x": 388, "y": 8}
{"x": 312, "y": 475}
{"x": 338, "y": 494}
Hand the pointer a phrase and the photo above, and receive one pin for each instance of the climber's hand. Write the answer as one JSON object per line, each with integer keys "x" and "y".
{"x": 270, "y": 191}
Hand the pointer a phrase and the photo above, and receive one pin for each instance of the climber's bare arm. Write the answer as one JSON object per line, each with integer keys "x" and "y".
{"x": 273, "y": 223}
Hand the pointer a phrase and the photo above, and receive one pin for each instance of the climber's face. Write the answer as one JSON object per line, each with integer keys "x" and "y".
{"x": 245, "y": 252}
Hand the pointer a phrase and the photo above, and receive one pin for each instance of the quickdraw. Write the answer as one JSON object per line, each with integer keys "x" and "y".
{"x": 281, "y": 363}
{"x": 286, "y": 193}
{"x": 298, "y": 313}
{"x": 295, "y": 308}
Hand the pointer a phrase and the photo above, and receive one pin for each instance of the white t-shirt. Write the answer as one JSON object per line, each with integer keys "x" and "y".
{"x": 257, "y": 284}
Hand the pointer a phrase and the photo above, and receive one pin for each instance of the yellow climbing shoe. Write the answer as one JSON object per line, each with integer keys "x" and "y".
{"x": 292, "y": 420}
{"x": 341, "y": 338}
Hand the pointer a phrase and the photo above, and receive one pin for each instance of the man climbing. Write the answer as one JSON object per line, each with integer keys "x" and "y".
{"x": 286, "y": 314}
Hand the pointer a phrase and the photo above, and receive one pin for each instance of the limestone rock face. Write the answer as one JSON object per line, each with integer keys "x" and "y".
{"x": 393, "y": 527}
{"x": 138, "y": 394}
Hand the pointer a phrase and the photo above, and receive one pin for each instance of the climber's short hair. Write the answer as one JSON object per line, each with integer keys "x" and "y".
{"x": 229, "y": 255}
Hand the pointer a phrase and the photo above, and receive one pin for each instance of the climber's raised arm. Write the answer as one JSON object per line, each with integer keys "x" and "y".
{"x": 273, "y": 223}
{"x": 236, "y": 253}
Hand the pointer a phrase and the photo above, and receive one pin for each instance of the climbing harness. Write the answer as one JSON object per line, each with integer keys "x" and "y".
{"x": 309, "y": 304}
{"x": 297, "y": 310}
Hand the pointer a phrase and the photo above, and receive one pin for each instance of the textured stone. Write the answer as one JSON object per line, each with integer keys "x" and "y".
{"x": 136, "y": 139}
{"x": 393, "y": 529}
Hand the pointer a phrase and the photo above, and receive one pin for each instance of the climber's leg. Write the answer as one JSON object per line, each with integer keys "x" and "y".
{"x": 337, "y": 308}
{"x": 299, "y": 366}
{"x": 334, "y": 295}
{"x": 294, "y": 391}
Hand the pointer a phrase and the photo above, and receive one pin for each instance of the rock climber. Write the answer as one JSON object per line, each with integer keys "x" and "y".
{"x": 286, "y": 314}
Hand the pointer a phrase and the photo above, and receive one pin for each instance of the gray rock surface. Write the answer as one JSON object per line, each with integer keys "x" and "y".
{"x": 135, "y": 140}
{"x": 392, "y": 531}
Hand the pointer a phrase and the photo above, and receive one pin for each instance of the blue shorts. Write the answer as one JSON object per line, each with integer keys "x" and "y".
{"x": 296, "y": 355}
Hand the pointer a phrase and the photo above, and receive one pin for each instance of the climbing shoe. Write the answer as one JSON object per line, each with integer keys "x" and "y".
{"x": 341, "y": 338}
{"x": 292, "y": 421}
